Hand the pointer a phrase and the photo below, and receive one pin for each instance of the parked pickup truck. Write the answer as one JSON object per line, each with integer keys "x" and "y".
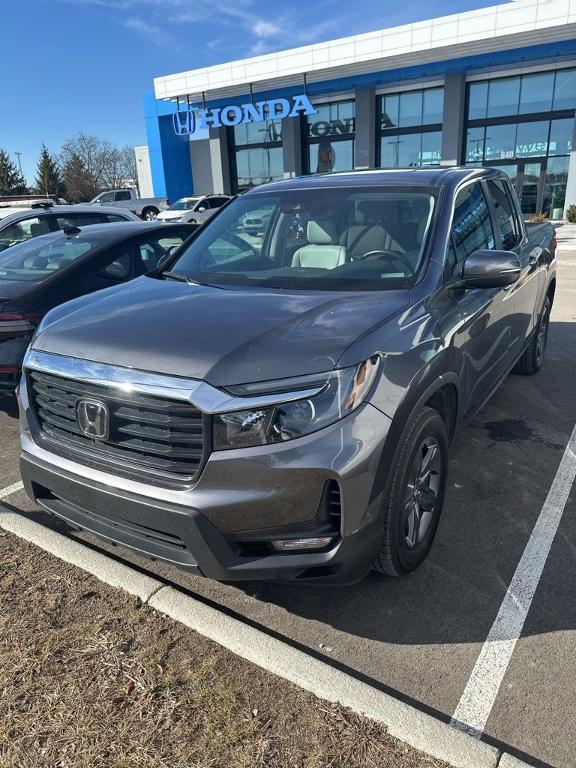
{"x": 280, "y": 405}
{"x": 145, "y": 207}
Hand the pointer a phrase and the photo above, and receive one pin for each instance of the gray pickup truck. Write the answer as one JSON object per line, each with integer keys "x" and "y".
{"x": 145, "y": 207}
{"x": 280, "y": 404}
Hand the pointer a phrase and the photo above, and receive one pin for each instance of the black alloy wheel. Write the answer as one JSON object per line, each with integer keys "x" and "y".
{"x": 415, "y": 494}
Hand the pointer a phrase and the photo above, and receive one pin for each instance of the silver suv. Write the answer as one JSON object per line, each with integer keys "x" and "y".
{"x": 22, "y": 224}
{"x": 196, "y": 209}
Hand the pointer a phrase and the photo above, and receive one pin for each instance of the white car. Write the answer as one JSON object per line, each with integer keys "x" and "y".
{"x": 19, "y": 224}
{"x": 196, "y": 209}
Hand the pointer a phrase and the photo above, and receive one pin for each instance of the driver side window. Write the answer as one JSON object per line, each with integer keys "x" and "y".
{"x": 471, "y": 225}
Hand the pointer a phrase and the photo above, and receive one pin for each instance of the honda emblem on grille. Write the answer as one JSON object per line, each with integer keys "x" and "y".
{"x": 93, "y": 419}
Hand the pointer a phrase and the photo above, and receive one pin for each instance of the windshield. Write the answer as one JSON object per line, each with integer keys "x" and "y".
{"x": 37, "y": 260}
{"x": 321, "y": 239}
{"x": 184, "y": 204}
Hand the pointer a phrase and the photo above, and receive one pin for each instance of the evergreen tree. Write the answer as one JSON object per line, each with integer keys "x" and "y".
{"x": 79, "y": 183}
{"x": 11, "y": 180}
{"x": 48, "y": 179}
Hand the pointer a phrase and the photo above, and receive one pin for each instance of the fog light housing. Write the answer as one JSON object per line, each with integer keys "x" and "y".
{"x": 291, "y": 545}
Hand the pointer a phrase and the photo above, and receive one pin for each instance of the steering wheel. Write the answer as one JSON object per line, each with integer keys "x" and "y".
{"x": 209, "y": 260}
{"x": 392, "y": 255}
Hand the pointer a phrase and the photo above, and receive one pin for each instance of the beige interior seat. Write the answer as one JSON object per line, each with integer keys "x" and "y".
{"x": 368, "y": 233}
{"x": 323, "y": 250}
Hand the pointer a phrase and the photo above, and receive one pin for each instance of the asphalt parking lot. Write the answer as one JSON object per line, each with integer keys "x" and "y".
{"x": 420, "y": 637}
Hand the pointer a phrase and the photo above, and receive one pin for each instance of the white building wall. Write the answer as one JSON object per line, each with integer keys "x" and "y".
{"x": 498, "y": 27}
{"x": 144, "y": 171}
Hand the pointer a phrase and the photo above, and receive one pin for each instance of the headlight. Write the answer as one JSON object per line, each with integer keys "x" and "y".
{"x": 344, "y": 391}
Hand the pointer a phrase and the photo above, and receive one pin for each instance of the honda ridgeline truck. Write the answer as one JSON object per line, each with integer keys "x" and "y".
{"x": 280, "y": 406}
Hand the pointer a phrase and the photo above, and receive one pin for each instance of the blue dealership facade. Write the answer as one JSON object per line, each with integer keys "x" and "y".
{"x": 494, "y": 87}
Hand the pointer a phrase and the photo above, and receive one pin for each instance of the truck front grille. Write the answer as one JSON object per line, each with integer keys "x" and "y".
{"x": 149, "y": 437}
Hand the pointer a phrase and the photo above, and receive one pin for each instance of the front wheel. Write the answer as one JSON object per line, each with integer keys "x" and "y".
{"x": 533, "y": 357}
{"x": 149, "y": 214}
{"x": 413, "y": 503}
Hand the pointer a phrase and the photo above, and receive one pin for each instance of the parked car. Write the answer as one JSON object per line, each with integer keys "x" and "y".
{"x": 146, "y": 208}
{"x": 255, "y": 224}
{"x": 283, "y": 410}
{"x": 194, "y": 209}
{"x": 24, "y": 224}
{"x": 38, "y": 275}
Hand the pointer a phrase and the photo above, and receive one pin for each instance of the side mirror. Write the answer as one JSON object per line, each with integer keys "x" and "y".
{"x": 201, "y": 209}
{"x": 490, "y": 269}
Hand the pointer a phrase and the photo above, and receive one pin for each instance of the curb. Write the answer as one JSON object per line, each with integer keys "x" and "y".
{"x": 406, "y": 723}
{"x": 507, "y": 761}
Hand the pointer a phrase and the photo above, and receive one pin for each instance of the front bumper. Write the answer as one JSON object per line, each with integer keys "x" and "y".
{"x": 242, "y": 500}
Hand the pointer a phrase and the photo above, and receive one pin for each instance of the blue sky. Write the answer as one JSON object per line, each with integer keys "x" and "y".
{"x": 72, "y": 65}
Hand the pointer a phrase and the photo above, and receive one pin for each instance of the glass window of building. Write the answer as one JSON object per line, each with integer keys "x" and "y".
{"x": 390, "y": 107}
{"x": 561, "y": 136}
{"x": 268, "y": 131}
{"x": 410, "y": 128}
{"x": 475, "y": 144}
{"x": 565, "y": 89}
{"x": 536, "y": 93}
{"x": 411, "y": 108}
{"x": 503, "y": 97}
{"x": 500, "y": 142}
{"x": 256, "y": 154}
{"x": 525, "y": 125}
{"x": 532, "y": 139}
{"x": 433, "y": 106}
{"x": 477, "y": 100}
{"x": 329, "y": 138}
{"x": 555, "y": 187}
{"x": 256, "y": 166}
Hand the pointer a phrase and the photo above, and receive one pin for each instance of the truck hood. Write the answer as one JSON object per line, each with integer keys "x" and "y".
{"x": 223, "y": 336}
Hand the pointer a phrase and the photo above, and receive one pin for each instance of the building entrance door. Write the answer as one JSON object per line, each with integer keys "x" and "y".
{"x": 529, "y": 186}
{"x": 528, "y": 177}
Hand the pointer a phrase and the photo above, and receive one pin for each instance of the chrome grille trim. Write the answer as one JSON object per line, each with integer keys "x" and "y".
{"x": 198, "y": 393}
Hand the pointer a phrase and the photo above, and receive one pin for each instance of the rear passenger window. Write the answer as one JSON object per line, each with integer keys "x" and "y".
{"x": 506, "y": 219}
{"x": 112, "y": 218}
{"x": 78, "y": 220}
{"x": 471, "y": 225}
{"x": 124, "y": 195}
{"x": 119, "y": 269}
{"x": 25, "y": 229}
{"x": 154, "y": 249}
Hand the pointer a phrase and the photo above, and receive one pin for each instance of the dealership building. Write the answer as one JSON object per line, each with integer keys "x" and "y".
{"x": 493, "y": 87}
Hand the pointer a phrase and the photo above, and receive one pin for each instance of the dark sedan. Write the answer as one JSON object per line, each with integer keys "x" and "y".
{"x": 38, "y": 275}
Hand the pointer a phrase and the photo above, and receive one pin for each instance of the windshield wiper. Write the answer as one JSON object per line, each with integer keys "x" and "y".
{"x": 177, "y": 276}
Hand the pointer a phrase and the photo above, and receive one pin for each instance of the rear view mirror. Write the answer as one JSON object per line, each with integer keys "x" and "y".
{"x": 491, "y": 269}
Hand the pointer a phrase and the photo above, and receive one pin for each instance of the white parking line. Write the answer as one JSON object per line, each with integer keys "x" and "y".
{"x": 474, "y": 707}
{"x": 10, "y": 489}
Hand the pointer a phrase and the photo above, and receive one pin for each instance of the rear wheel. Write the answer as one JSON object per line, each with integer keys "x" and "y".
{"x": 412, "y": 507}
{"x": 149, "y": 214}
{"x": 533, "y": 357}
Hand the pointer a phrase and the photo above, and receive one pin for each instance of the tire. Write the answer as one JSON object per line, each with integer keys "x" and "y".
{"x": 149, "y": 214}
{"x": 423, "y": 447}
{"x": 533, "y": 357}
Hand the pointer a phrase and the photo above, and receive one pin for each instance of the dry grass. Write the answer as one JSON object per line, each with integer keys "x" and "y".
{"x": 91, "y": 679}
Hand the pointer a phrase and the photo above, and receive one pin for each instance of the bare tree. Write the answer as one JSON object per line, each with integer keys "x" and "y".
{"x": 102, "y": 162}
{"x": 130, "y": 167}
